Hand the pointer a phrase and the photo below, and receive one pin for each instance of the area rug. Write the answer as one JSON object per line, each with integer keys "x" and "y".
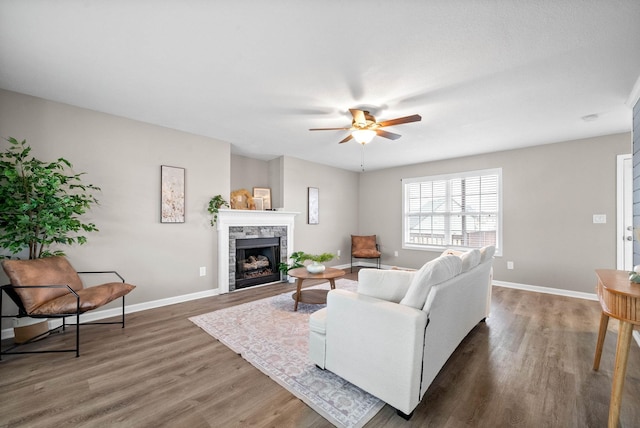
{"x": 275, "y": 339}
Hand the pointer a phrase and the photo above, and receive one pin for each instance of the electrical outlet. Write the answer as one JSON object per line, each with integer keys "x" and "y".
{"x": 338, "y": 253}
{"x": 599, "y": 218}
{"x": 203, "y": 271}
{"x": 510, "y": 265}
{"x": 395, "y": 254}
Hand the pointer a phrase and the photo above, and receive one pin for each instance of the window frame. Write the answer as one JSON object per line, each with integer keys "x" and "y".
{"x": 448, "y": 177}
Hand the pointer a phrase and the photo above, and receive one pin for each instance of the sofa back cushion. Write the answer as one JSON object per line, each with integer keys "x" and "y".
{"x": 434, "y": 272}
{"x": 47, "y": 271}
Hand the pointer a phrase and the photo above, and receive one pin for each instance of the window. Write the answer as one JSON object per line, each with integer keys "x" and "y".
{"x": 456, "y": 210}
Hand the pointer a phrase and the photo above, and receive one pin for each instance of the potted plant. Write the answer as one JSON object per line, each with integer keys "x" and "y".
{"x": 214, "y": 206}
{"x": 296, "y": 262}
{"x": 317, "y": 259}
{"x": 41, "y": 203}
{"x": 298, "y": 258}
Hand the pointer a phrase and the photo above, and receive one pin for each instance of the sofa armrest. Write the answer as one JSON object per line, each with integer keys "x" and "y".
{"x": 391, "y": 337}
{"x": 390, "y": 285}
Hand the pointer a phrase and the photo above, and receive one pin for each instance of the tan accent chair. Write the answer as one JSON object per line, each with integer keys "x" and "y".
{"x": 364, "y": 247}
{"x": 51, "y": 288}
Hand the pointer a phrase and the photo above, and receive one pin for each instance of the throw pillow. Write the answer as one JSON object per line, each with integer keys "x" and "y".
{"x": 470, "y": 259}
{"x": 487, "y": 253}
{"x": 434, "y": 272}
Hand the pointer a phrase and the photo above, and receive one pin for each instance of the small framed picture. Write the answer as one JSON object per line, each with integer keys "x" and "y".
{"x": 259, "y": 202}
{"x": 314, "y": 205}
{"x": 265, "y": 194}
{"x": 172, "y": 180}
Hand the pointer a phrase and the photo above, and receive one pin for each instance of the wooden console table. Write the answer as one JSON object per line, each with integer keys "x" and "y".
{"x": 619, "y": 298}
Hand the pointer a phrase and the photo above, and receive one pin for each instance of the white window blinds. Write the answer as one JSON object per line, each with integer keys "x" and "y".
{"x": 456, "y": 210}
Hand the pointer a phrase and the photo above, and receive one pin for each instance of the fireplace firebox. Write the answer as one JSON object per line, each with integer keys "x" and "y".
{"x": 257, "y": 261}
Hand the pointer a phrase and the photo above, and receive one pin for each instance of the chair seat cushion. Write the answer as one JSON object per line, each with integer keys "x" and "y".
{"x": 90, "y": 298}
{"x": 366, "y": 254}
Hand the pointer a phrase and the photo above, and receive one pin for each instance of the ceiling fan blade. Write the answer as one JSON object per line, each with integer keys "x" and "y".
{"x": 347, "y": 138}
{"x": 329, "y": 129}
{"x": 358, "y": 117}
{"x": 386, "y": 134}
{"x": 400, "y": 120}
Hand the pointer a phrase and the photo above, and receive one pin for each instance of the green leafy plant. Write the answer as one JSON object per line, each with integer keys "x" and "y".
{"x": 214, "y": 206}
{"x": 41, "y": 203}
{"x": 319, "y": 258}
{"x": 297, "y": 259}
{"x": 296, "y": 262}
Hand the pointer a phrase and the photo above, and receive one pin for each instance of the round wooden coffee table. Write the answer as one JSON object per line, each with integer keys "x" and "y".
{"x": 316, "y": 297}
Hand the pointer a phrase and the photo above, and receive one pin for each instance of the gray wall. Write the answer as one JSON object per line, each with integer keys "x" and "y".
{"x": 338, "y": 191}
{"x": 247, "y": 173}
{"x": 550, "y": 194}
{"x": 123, "y": 157}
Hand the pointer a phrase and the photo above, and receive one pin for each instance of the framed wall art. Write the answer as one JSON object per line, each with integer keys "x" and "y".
{"x": 265, "y": 194}
{"x": 314, "y": 206}
{"x": 172, "y": 181}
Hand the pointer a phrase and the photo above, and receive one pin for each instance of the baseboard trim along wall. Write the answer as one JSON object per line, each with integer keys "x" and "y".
{"x": 547, "y": 290}
{"x": 129, "y": 309}
{"x": 108, "y": 313}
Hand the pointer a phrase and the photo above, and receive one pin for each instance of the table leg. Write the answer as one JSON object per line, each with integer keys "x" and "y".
{"x": 332, "y": 281}
{"x": 604, "y": 322}
{"x": 298, "y": 291}
{"x": 619, "y": 371}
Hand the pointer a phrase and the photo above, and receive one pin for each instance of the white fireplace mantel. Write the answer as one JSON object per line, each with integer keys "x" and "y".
{"x": 228, "y": 218}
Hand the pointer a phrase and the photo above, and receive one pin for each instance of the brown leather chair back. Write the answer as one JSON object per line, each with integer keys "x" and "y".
{"x": 47, "y": 271}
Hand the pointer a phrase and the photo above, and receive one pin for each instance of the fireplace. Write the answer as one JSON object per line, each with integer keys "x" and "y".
{"x": 257, "y": 261}
{"x": 239, "y": 225}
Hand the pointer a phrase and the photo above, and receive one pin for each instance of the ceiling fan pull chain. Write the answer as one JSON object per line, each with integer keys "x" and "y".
{"x": 362, "y": 158}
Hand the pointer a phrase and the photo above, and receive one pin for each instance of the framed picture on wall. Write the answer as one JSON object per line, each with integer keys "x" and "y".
{"x": 314, "y": 205}
{"x": 172, "y": 209}
{"x": 265, "y": 194}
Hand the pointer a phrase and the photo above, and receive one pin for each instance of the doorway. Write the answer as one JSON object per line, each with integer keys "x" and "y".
{"x": 624, "y": 226}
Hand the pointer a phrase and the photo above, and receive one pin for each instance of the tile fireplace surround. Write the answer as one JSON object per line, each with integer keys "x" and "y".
{"x": 248, "y": 223}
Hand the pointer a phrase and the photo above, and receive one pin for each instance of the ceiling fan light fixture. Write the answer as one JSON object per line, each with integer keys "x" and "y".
{"x": 363, "y": 136}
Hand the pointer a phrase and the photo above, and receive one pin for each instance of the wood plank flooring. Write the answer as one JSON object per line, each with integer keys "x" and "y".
{"x": 529, "y": 365}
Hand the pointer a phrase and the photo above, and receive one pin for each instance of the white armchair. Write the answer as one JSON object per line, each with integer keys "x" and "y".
{"x": 391, "y": 345}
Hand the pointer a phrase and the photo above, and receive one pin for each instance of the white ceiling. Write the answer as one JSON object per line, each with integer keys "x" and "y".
{"x": 484, "y": 75}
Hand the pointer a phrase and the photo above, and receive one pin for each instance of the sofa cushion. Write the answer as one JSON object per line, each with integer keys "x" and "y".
{"x": 318, "y": 321}
{"x": 470, "y": 259}
{"x": 434, "y": 272}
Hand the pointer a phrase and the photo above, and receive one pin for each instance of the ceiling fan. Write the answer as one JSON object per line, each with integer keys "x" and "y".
{"x": 364, "y": 126}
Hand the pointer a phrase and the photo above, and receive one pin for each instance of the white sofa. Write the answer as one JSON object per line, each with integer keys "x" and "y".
{"x": 393, "y": 336}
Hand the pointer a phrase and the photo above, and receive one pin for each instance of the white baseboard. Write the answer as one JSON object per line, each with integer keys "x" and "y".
{"x": 547, "y": 290}
{"x": 129, "y": 309}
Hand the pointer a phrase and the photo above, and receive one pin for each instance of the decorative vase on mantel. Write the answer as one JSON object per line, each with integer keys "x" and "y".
{"x": 315, "y": 267}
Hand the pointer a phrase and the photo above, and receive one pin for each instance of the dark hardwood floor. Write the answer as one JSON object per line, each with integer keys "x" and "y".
{"x": 529, "y": 365}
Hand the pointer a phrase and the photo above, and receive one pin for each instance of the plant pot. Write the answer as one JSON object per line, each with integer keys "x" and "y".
{"x": 315, "y": 267}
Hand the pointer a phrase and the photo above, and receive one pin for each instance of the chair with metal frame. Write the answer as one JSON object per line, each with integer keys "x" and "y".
{"x": 51, "y": 288}
{"x": 365, "y": 247}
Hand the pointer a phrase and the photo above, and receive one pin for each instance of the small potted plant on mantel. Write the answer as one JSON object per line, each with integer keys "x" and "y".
{"x": 299, "y": 257}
